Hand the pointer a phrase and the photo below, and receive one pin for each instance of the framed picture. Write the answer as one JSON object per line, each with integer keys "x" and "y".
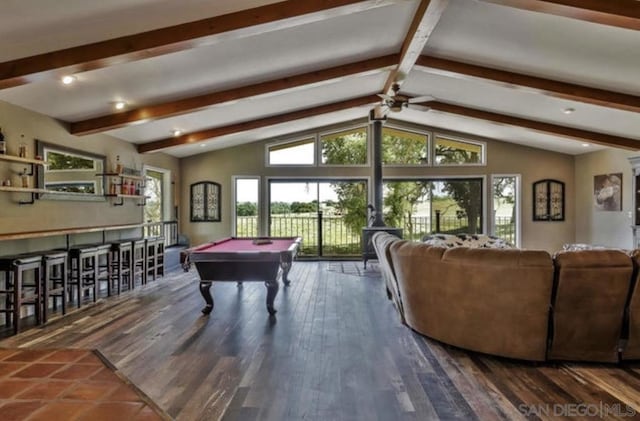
{"x": 548, "y": 200}
{"x": 607, "y": 192}
{"x": 205, "y": 202}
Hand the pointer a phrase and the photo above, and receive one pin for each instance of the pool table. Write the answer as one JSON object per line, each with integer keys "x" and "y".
{"x": 243, "y": 259}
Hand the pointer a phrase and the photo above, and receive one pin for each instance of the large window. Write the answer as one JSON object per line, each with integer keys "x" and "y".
{"x": 299, "y": 152}
{"x": 402, "y": 147}
{"x": 247, "y": 206}
{"x": 449, "y": 151}
{"x": 327, "y": 214}
{"x": 434, "y": 206}
{"x": 506, "y": 215}
{"x": 348, "y": 147}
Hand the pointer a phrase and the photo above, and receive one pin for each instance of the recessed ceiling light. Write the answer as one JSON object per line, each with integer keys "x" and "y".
{"x": 568, "y": 110}
{"x": 176, "y": 132}
{"x": 585, "y": 145}
{"x": 202, "y": 145}
{"x": 119, "y": 105}
{"x": 68, "y": 79}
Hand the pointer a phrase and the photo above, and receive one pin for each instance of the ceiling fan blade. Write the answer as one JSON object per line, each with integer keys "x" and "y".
{"x": 418, "y": 99}
{"x": 419, "y": 107}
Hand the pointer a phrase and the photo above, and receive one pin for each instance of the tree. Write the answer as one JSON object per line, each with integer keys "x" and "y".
{"x": 247, "y": 209}
{"x": 304, "y": 207}
{"x": 466, "y": 194}
{"x": 278, "y": 208}
{"x": 352, "y": 198}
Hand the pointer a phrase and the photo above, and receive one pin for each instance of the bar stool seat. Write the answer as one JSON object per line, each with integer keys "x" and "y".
{"x": 83, "y": 272}
{"x": 17, "y": 292}
{"x": 54, "y": 281}
{"x": 121, "y": 265}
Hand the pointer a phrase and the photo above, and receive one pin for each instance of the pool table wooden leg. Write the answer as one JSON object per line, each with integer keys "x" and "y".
{"x": 272, "y": 291}
{"x": 205, "y": 290}
{"x": 285, "y": 264}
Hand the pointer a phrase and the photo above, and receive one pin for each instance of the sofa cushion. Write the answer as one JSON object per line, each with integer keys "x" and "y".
{"x": 466, "y": 240}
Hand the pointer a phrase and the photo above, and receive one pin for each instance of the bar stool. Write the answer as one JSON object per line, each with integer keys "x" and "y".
{"x": 138, "y": 262}
{"x": 54, "y": 281}
{"x": 151, "y": 258}
{"x": 121, "y": 265}
{"x": 83, "y": 272}
{"x": 159, "y": 256}
{"x": 16, "y": 291}
{"x": 103, "y": 260}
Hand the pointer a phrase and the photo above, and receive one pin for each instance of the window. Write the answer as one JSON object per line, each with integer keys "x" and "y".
{"x": 402, "y": 147}
{"x": 247, "y": 206}
{"x": 348, "y": 147}
{"x": 299, "y": 152}
{"x": 419, "y": 207}
{"x": 154, "y": 209}
{"x": 506, "y": 206}
{"x": 449, "y": 151}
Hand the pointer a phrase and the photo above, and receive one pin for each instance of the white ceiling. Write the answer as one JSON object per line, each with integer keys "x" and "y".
{"x": 469, "y": 31}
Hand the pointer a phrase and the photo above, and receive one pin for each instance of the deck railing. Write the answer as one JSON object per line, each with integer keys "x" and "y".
{"x": 338, "y": 240}
{"x": 168, "y": 229}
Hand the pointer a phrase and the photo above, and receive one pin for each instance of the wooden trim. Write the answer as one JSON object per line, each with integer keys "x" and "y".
{"x": 255, "y": 124}
{"x": 66, "y": 231}
{"x": 554, "y": 129}
{"x": 424, "y": 22}
{"x": 178, "y": 38}
{"x": 554, "y": 88}
{"x": 620, "y": 13}
{"x": 173, "y": 108}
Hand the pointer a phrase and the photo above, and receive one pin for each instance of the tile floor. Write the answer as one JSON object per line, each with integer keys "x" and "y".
{"x": 67, "y": 384}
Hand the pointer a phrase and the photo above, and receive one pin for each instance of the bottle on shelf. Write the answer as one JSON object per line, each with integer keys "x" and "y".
{"x": 118, "y": 166}
{"x": 22, "y": 147}
{"x": 24, "y": 179}
{"x": 113, "y": 188}
{"x": 137, "y": 188}
{"x": 3, "y": 144}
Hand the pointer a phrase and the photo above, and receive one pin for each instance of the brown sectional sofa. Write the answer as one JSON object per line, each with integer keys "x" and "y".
{"x": 514, "y": 303}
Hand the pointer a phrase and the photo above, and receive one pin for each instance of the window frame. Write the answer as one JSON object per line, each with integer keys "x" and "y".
{"x": 312, "y": 138}
{"x": 518, "y": 204}
{"x": 320, "y": 134}
{"x": 427, "y": 134}
{"x": 482, "y": 144}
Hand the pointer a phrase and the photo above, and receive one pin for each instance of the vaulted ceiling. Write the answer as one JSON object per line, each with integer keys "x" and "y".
{"x": 554, "y": 74}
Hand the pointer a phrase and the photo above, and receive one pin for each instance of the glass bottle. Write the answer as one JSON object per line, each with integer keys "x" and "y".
{"x": 3, "y": 144}
{"x": 24, "y": 177}
{"x": 118, "y": 167}
{"x": 22, "y": 147}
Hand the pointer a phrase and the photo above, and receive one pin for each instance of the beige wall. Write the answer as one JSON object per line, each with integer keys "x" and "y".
{"x": 502, "y": 158}
{"x": 57, "y": 214}
{"x": 607, "y": 228}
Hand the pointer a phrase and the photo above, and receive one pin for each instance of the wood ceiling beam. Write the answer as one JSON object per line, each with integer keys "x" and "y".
{"x": 424, "y": 22}
{"x": 186, "y": 105}
{"x": 549, "y": 87}
{"x": 177, "y": 38}
{"x": 255, "y": 124}
{"x": 553, "y": 129}
{"x": 620, "y": 13}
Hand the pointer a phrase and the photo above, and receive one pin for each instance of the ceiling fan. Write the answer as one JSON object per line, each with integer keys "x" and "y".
{"x": 397, "y": 102}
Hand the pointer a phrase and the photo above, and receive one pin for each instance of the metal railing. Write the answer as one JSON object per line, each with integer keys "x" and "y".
{"x": 338, "y": 240}
{"x": 168, "y": 229}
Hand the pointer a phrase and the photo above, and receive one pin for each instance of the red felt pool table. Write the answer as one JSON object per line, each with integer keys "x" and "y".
{"x": 242, "y": 259}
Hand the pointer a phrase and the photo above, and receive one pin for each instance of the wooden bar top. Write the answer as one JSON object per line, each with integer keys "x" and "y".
{"x": 66, "y": 231}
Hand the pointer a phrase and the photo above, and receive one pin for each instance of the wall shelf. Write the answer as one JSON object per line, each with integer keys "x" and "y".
{"x": 12, "y": 158}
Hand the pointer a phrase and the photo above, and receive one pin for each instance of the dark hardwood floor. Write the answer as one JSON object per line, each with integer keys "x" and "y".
{"x": 334, "y": 351}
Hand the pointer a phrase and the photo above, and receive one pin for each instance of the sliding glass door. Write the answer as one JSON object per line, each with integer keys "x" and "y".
{"x": 327, "y": 214}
